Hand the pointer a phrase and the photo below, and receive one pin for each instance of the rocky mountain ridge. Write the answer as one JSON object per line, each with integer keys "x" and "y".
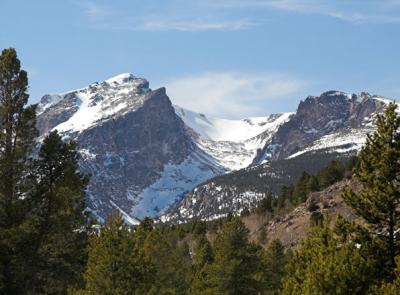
{"x": 330, "y": 127}
{"x": 145, "y": 154}
{"x": 141, "y": 151}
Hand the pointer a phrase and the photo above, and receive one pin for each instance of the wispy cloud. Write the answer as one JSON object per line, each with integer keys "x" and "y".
{"x": 94, "y": 10}
{"x": 195, "y": 25}
{"x": 356, "y": 11}
{"x": 185, "y": 20}
{"x": 232, "y": 94}
{"x": 231, "y": 15}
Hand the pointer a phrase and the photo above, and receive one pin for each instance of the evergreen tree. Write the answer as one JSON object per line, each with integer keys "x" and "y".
{"x": 236, "y": 262}
{"x": 204, "y": 254}
{"x": 17, "y": 134}
{"x": 392, "y": 288}
{"x": 301, "y": 188}
{"x": 274, "y": 262}
{"x": 202, "y": 260}
{"x": 57, "y": 209}
{"x": 171, "y": 260}
{"x": 116, "y": 265}
{"x": 330, "y": 174}
{"x": 378, "y": 203}
{"x": 325, "y": 265}
{"x": 312, "y": 184}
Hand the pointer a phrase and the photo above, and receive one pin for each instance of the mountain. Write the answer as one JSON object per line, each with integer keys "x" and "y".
{"x": 232, "y": 144}
{"x": 141, "y": 152}
{"x": 147, "y": 157}
{"x": 332, "y": 126}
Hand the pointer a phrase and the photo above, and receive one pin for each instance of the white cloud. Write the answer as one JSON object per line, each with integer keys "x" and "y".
{"x": 186, "y": 19}
{"x": 94, "y": 10}
{"x": 195, "y": 25}
{"x": 230, "y": 94}
{"x": 379, "y": 10}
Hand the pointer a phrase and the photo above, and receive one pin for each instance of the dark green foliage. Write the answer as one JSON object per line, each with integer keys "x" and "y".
{"x": 43, "y": 227}
{"x": 262, "y": 235}
{"x": 298, "y": 193}
{"x": 200, "y": 227}
{"x": 316, "y": 218}
{"x": 116, "y": 264}
{"x": 236, "y": 263}
{"x": 392, "y": 288}
{"x": 265, "y": 205}
{"x": 324, "y": 265}
{"x": 17, "y": 134}
{"x": 274, "y": 262}
{"x": 171, "y": 260}
{"x": 378, "y": 203}
{"x": 331, "y": 174}
{"x": 57, "y": 206}
{"x": 203, "y": 258}
{"x": 204, "y": 253}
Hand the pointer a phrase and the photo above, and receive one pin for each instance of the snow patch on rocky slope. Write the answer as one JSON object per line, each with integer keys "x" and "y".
{"x": 232, "y": 143}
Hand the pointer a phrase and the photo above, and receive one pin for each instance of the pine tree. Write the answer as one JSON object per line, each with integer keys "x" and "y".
{"x": 392, "y": 288}
{"x": 378, "y": 203}
{"x": 202, "y": 260}
{"x": 61, "y": 224}
{"x": 17, "y": 134}
{"x": 204, "y": 254}
{"x": 172, "y": 263}
{"x": 324, "y": 265}
{"x": 330, "y": 174}
{"x": 274, "y": 262}
{"x": 236, "y": 262}
{"x": 116, "y": 265}
{"x": 301, "y": 191}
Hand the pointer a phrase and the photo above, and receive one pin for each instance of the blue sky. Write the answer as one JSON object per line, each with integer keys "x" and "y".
{"x": 230, "y": 58}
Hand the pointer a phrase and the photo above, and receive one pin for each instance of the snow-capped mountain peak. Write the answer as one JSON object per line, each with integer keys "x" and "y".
{"x": 83, "y": 108}
{"x": 121, "y": 78}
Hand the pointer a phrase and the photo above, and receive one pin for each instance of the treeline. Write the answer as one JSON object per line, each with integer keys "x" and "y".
{"x": 48, "y": 244}
{"x": 150, "y": 260}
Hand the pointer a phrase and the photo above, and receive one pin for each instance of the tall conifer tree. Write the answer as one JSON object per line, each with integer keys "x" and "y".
{"x": 378, "y": 203}
{"x": 274, "y": 261}
{"x": 57, "y": 213}
{"x": 236, "y": 262}
{"x": 17, "y": 135}
{"x": 116, "y": 265}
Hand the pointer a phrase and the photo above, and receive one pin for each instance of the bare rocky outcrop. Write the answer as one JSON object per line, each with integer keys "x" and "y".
{"x": 291, "y": 228}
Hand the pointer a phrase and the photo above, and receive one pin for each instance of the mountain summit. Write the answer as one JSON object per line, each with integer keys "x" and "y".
{"x": 144, "y": 154}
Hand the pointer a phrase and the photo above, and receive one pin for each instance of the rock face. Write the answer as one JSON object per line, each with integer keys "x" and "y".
{"x": 330, "y": 127}
{"x": 126, "y": 135}
{"x": 332, "y": 115}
